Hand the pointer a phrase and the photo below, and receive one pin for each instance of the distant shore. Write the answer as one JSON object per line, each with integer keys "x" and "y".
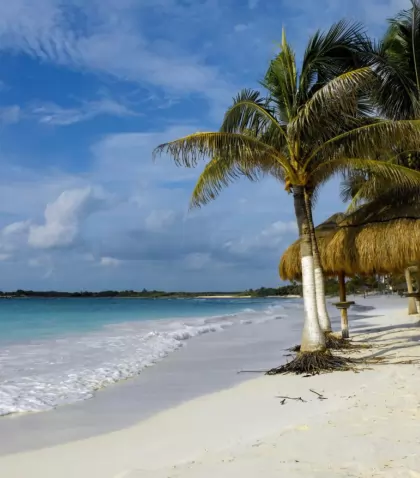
{"x": 285, "y": 292}
{"x": 223, "y": 297}
{"x": 289, "y": 296}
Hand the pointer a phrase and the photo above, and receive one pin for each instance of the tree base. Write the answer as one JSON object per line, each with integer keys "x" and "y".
{"x": 314, "y": 363}
{"x": 336, "y": 343}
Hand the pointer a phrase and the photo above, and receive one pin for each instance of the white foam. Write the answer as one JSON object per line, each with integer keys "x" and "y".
{"x": 41, "y": 375}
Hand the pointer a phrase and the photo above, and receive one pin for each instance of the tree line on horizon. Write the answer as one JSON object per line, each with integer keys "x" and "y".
{"x": 350, "y": 107}
{"x": 355, "y": 285}
{"x": 292, "y": 289}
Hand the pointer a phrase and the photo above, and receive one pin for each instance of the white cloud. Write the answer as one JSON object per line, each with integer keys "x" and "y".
{"x": 109, "y": 262}
{"x": 269, "y": 238}
{"x": 13, "y": 237}
{"x": 53, "y": 114}
{"x": 109, "y": 42}
{"x": 4, "y": 257}
{"x": 253, "y": 4}
{"x": 277, "y": 230}
{"x": 63, "y": 217}
{"x": 241, "y": 27}
{"x": 15, "y": 228}
{"x": 159, "y": 220}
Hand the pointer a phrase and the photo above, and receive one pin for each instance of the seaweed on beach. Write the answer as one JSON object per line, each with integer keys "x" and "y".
{"x": 337, "y": 343}
{"x": 314, "y": 363}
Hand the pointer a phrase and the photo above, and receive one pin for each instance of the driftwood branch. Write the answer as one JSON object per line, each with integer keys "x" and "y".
{"x": 298, "y": 399}
{"x": 320, "y": 396}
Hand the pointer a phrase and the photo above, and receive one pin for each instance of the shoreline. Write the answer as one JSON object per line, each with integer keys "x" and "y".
{"x": 130, "y": 347}
{"x": 207, "y": 363}
{"x": 244, "y": 430}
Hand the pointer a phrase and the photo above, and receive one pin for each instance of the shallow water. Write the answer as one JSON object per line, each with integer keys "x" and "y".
{"x": 59, "y": 351}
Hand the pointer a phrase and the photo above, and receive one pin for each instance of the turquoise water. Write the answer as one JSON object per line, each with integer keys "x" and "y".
{"x": 58, "y": 351}
{"x": 25, "y": 319}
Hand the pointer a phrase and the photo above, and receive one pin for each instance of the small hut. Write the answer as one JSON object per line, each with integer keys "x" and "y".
{"x": 378, "y": 238}
{"x": 376, "y": 241}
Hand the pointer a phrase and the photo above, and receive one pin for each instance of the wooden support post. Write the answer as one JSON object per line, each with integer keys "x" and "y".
{"x": 343, "y": 311}
{"x": 412, "y": 307}
{"x": 418, "y": 287}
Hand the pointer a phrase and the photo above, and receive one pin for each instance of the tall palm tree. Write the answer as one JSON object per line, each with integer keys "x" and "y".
{"x": 396, "y": 63}
{"x": 308, "y": 127}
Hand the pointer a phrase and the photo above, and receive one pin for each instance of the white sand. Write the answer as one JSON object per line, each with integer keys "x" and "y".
{"x": 369, "y": 426}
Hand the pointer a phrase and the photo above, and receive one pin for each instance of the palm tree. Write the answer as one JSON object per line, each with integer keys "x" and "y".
{"x": 396, "y": 61}
{"x": 309, "y": 126}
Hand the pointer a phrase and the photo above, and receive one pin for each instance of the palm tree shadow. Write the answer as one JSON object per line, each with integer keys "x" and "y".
{"x": 383, "y": 330}
{"x": 397, "y": 347}
{"x": 399, "y": 343}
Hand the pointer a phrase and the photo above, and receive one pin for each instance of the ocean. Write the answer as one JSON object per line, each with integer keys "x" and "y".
{"x": 55, "y": 352}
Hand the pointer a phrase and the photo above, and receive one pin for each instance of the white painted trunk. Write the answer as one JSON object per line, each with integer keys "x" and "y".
{"x": 313, "y": 338}
{"x": 321, "y": 305}
{"x": 412, "y": 306}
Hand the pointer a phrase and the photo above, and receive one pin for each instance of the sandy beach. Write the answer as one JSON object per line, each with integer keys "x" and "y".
{"x": 367, "y": 425}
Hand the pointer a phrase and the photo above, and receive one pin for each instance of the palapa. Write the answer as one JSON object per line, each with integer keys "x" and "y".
{"x": 375, "y": 239}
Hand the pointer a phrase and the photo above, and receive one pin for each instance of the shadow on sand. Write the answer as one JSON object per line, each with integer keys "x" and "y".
{"x": 384, "y": 337}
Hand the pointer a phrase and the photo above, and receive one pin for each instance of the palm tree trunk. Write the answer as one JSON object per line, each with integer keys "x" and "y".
{"x": 321, "y": 304}
{"x": 313, "y": 338}
{"x": 343, "y": 298}
{"x": 412, "y": 307}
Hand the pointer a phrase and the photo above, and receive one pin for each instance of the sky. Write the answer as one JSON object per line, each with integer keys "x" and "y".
{"x": 88, "y": 88}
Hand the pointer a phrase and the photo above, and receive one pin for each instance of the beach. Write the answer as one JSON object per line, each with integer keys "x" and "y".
{"x": 367, "y": 425}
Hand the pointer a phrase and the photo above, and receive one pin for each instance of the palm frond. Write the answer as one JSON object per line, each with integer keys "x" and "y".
{"x": 329, "y": 55}
{"x": 337, "y": 101}
{"x": 371, "y": 140}
{"x": 415, "y": 40}
{"x": 371, "y": 189}
{"x": 220, "y": 172}
{"x": 251, "y": 114}
{"x": 281, "y": 81}
{"x": 395, "y": 175}
{"x": 396, "y": 202}
{"x": 188, "y": 151}
{"x": 351, "y": 185}
{"x": 396, "y": 61}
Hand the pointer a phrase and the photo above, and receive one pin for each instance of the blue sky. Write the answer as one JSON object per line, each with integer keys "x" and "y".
{"x": 88, "y": 88}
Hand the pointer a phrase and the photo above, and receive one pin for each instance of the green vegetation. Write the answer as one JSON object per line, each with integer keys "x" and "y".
{"x": 293, "y": 289}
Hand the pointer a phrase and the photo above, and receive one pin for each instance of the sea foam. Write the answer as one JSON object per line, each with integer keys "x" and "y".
{"x": 42, "y": 374}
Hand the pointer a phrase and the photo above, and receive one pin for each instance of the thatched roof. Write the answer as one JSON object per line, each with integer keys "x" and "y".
{"x": 290, "y": 266}
{"x": 375, "y": 240}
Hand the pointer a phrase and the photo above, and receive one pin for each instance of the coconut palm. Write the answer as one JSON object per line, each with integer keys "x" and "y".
{"x": 396, "y": 62}
{"x": 309, "y": 126}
